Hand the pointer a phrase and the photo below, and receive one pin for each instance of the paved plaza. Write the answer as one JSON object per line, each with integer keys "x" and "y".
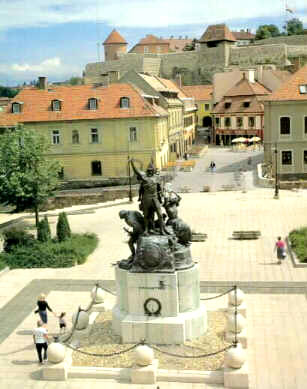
{"x": 275, "y": 294}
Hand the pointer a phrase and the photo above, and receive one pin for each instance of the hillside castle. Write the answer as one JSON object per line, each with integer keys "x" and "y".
{"x": 215, "y": 52}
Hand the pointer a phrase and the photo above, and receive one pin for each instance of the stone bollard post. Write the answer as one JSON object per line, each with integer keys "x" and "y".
{"x": 145, "y": 368}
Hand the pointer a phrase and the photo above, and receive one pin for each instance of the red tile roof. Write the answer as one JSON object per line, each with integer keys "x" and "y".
{"x": 199, "y": 92}
{"x": 114, "y": 37}
{"x": 290, "y": 89}
{"x": 241, "y": 35}
{"x": 217, "y": 32}
{"x": 177, "y": 44}
{"x": 36, "y": 105}
{"x": 246, "y": 88}
{"x": 151, "y": 39}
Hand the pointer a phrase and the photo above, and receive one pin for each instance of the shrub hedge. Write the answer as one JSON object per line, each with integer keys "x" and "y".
{"x": 74, "y": 250}
{"x": 298, "y": 240}
{"x": 2, "y": 265}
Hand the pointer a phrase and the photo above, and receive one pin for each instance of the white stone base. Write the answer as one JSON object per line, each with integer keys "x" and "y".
{"x": 58, "y": 371}
{"x": 160, "y": 330}
{"x": 144, "y": 374}
{"x": 236, "y": 378}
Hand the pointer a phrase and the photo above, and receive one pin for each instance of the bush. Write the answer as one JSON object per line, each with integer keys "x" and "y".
{"x": 16, "y": 237}
{"x": 298, "y": 240}
{"x": 51, "y": 254}
{"x": 2, "y": 265}
{"x": 62, "y": 228}
{"x": 43, "y": 230}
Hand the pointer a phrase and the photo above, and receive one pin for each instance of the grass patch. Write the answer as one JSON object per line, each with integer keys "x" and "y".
{"x": 51, "y": 254}
{"x": 298, "y": 240}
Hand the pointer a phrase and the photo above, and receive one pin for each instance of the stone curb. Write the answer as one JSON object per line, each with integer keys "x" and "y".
{"x": 296, "y": 262}
{"x": 5, "y": 270}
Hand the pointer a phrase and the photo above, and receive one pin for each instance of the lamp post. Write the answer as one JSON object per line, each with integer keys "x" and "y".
{"x": 276, "y": 193}
{"x": 129, "y": 172}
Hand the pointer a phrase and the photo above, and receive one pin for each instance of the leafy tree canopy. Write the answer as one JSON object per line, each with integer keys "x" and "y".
{"x": 27, "y": 177}
{"x": 75, "y": 81}
{"x": 267, "y": 31}
{"x": 294, "y": 27}
{"x": 8, "y": 92}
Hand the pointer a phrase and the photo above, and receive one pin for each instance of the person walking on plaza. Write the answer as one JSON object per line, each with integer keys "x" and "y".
{"x": 212, "y": 166}
{"x": 42, "y": 308}
{"x": 40, "y": 338}
{"x": 280, "y": 247}
{"x": 62, "y": 322}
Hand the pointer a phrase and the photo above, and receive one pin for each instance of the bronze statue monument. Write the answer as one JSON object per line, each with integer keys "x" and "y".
{"x": 160, "y": 246}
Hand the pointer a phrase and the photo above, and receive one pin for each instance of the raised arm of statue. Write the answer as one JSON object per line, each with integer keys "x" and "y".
{"x": 137, "y": 172}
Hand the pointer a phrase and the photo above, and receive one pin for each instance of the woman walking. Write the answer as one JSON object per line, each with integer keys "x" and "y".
{"x": 280, "y": 247}
{"x": 42, "y": 308}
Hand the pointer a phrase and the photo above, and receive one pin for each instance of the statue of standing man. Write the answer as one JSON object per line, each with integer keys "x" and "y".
{"x": 150, "y": 197}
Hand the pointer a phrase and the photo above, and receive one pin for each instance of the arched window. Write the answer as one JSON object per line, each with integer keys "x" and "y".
{"x": 124, "y": 102}
{"x": 96, "y": 168}
{"x": 56, "y": 105}
{"x": 75, "y": 137}
{"x": 92, "y": 103}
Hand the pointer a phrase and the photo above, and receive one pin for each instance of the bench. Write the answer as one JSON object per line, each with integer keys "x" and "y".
{"x": 199, "y": 237}
{"x": 246, "y": 234}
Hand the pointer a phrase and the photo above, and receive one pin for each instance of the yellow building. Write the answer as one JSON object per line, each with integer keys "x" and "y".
{"x": 181, "y": 109}
{"x": 203, "y": 99}
{"x": 93, "y": 130}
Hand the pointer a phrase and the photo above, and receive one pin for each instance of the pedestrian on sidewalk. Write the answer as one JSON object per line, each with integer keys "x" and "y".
{"x": 280, "y": 247}
{"x": 62, "y": 322}
{"x": 40, "y": 338}
{"x": 212, "y": 166}
{"x": 42, "y": 308}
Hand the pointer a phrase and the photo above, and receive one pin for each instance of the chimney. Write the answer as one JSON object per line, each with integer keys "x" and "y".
{"x": 42, "y": 82}
{"x": 178, "y": 80}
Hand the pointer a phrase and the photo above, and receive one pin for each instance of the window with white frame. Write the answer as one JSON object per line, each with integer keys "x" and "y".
{"x": 305, "y": 125}
{"x": 92, "y": 103}
{"x": 124, "y": 102}
{"x": 96, "y": 168}
{"x": 75, "y": 137}
{"x": 305, "y": 157}
{"x": 132, "y": 134}
{"x": 239, "y": 121}
{"x": 94, "y": 135}
{"x": 55, "y": 137}
{"x": 146, "y": 49}
{"x": 284, "y": 125}
{"x": 286, "y": 157}
{"x": 56, "y": 105}
{"x": 217, "y": 121}
{"x": 227, "y": 122}
{"x": 207, "y": 107}
{"x": 16, "y": 108}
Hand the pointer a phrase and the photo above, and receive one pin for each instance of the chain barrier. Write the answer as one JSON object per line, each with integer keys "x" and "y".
{"x": 189, "y": 356}
{"x": 104, "y": 355}
{"x": 220, "y": 295}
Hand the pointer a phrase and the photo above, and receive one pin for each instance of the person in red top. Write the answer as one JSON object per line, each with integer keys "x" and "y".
{"x": 280, "y": 247}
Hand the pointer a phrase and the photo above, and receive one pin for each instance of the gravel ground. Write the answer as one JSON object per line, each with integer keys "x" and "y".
{"x": 102, "y": 340}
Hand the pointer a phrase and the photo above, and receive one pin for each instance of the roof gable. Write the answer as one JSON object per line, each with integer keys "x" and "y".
{"x": 247, "y": 88}
{"x": 217, "y": 32}
{"x": 114, "y": 37}
{"x": 151, "y": 39}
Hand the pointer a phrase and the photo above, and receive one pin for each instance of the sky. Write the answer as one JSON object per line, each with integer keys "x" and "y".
{"x": 57, "y": 38}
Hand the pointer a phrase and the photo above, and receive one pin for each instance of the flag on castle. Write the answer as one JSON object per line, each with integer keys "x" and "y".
{"x": 289, "y": 9}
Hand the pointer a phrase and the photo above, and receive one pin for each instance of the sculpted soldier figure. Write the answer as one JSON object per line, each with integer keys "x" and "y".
{"x": 150, "y": 197}
{"x": 135, "y": 220}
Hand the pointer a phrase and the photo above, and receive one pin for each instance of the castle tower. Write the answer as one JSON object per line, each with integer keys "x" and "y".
{"x": 216, "y": 34}
{"x": 114, "y": 45}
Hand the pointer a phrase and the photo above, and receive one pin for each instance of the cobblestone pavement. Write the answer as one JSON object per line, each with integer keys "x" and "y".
{"x": 275, "y": 294}
{"x": 228, "y": 162}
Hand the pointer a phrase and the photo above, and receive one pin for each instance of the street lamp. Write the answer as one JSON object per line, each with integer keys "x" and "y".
{"x": 276, "y": 193}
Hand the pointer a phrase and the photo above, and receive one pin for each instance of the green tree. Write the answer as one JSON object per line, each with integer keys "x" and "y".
{"x": 267, "y": 31}
{"x": 294, "y": 27}
{"x": 62, "y": 228}
{"x": 190, "y": 46}
{"x": 75, "y": 81}
{"x": 43, "y": 230}
{"x": 27, "y": 177}
{"x": 8, "y": 92}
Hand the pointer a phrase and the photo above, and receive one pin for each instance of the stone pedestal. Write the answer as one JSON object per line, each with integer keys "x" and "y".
{"x": 162, "y": 308}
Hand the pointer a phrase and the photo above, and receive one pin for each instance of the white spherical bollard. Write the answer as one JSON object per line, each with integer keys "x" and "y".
{"x": 144, "y": 355}
{"x": 233, "y": 326}
{"x": 56, "y": 352}
{"x": 232, "y": 297}
{"x": 99, "y": 295}
{"x": 235, "y": 357}
{"x": 83, "y": 320}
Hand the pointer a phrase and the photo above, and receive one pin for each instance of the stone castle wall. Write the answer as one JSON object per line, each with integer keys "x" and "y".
{"x": 293, "y": 40}
{"x": 296, "y": 51}
{"x": 254, "y": 55}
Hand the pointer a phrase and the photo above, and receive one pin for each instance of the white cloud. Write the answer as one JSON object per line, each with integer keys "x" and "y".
{"x": 138, "y": 13}
{"x": 53, "y": 68}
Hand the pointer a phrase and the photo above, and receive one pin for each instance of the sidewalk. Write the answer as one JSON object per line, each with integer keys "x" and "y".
{"x": 277, "y": 309}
